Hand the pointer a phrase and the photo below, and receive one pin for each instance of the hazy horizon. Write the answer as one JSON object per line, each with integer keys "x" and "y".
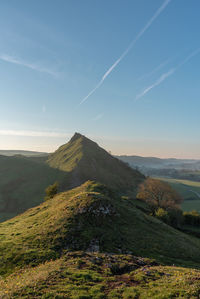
{"x": 135, "y": 147}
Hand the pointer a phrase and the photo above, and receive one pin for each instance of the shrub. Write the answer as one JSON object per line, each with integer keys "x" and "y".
{"x": 159, "y": 194}
{"x": 173, "y": 217}
{"x": 51, "y": 191}
{"x": 162, "y": 214}
{"x": 191, "y": 218}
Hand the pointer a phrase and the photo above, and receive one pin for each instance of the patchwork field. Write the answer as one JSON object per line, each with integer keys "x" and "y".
{"x": 190, "y": 190}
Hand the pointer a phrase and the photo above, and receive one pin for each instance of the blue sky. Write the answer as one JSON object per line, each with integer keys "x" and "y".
{"x": 54, "y": 53}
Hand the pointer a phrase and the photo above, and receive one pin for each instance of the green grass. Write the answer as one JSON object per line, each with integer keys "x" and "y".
{"x": 184, "y": 187}
{"x": 93, "y": 275}
{"x": 46, "y": 252}
{"x": 87, "y": 215}
{"x": 183, "y": 182}
{"x": 23, "y": 180}
{"x": 22, "y": 184}
{"x": 85, "y": 160}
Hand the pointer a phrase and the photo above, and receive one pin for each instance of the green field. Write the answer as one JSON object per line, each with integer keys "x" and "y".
{"x": 189, "y": 190}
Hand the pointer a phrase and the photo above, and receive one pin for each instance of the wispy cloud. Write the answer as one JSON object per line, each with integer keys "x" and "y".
{"x": 160, "y": 80}
{"x": 91, "y": 92}
{"x": 99, "y": 116}
{"x": 194, "y": 53}
{"x": 164, "y": 76}
{"x": 35, "y": 67}
{"x": 156, "y": 69}
{"x": 138, "y": 36}
{"x": 32, "y": 133}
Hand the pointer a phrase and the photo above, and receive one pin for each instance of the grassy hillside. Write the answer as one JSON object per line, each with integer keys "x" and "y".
{"x": 60, "y": 249}
{"x": 22, "y": 184}
{"x": 190, "y": 191}
{"x": 90, "y": 217}
{"x": 85, "y": 160}
{"x": 101, "y": 276}
{"x": 24, "y": 179}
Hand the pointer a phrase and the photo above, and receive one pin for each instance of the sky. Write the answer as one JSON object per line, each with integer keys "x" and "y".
{"x": 125, "y": 73}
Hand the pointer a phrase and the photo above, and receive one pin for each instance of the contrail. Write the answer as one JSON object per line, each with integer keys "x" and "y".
{"x": 91, "y": 92}
{"x": 194, "y": 53}
{"x": 160, "y": 80}
{"x": 168, "y": 74}
{"x": 32, "y": 66}
{"x": 139, "y": 35}
{"x": 99, "y": 116}
{"x": 156, "y": 69}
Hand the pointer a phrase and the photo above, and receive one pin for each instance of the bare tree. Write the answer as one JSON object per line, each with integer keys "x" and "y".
{"x": 159, "y": 194}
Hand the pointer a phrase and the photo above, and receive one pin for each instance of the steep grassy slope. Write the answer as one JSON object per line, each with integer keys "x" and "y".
{"x": 22, "y": 183}
{"x": 90, "y": 275}
{"x": 85, "y": 160}
{"x": 24, "y": 179}
{"x": 90, "y": 217}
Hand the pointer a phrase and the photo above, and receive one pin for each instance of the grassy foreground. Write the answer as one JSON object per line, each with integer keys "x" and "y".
{"x": 88, "y": 243}
{"x": 94, "y": 275}
{"x": 86, "y": 218}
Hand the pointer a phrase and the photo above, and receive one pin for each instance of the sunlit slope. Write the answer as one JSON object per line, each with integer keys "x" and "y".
{"x": 86, "y": 218}
{"x": 23, "y": 180}
{"x": 85, "y": 160}
{"x": 93, "y": 275}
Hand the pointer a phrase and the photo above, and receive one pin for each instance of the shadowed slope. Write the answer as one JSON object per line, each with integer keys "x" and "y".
{"x": 22, "y": 183}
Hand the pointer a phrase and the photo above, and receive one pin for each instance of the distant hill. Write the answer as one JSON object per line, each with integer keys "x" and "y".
{"x": 177, "y": 171}
{"x": 23, "y": 153}
{"x": 84, "y": 160}
{"x": 153, "y": 162}
{"x": 23, "y": 179}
